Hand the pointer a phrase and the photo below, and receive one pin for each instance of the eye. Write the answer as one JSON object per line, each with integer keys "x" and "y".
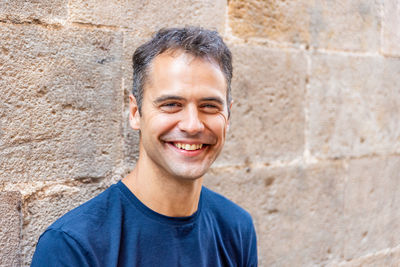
{"x": 171, "y": 106}
{"x": 210, "y": 108}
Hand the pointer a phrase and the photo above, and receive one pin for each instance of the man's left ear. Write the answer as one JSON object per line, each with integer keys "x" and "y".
{"x": 134, "y": 115}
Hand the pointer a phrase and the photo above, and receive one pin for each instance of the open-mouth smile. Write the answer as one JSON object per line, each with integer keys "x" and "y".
{"x": 188, "y": 147}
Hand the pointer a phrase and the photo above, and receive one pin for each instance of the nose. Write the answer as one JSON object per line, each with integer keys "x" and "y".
{"x": 191, "y": 122}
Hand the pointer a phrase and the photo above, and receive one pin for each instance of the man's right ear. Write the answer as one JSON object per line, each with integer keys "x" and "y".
{"x": 134, "y": 116}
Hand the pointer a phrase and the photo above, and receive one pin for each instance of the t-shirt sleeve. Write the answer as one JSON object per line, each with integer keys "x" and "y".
{"x": 252, "y": 252}
{"x": 57, "y": 248}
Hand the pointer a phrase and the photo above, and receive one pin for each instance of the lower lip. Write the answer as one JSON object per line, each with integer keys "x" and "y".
{"x": 188, "y": 153}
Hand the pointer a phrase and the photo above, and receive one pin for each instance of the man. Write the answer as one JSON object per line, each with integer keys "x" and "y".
{"x": 160, "y": 215}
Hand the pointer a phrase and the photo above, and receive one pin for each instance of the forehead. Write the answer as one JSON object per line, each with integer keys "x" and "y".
{"x": 177, "y": 70}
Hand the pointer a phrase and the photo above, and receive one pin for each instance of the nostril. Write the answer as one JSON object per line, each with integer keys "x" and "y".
{"x": 191, "y": 125}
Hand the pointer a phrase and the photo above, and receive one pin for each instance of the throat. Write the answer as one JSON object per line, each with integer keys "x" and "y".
{"x": 169, "y": 197}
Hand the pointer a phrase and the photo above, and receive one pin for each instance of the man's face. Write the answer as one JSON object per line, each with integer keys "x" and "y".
{"x": 184, "y": 115}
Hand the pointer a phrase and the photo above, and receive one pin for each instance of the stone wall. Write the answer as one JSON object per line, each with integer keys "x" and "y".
{"x": 314, "y": 146}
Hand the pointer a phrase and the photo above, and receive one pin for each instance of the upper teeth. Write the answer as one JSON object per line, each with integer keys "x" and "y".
{"x": 188, "y": 146}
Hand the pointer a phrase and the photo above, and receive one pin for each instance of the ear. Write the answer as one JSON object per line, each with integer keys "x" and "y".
{"x": 134, "y": 116}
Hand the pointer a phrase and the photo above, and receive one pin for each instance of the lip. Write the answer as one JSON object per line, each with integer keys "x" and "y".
{"x": 186, "y": 141}
{"x": 187, "y": 153}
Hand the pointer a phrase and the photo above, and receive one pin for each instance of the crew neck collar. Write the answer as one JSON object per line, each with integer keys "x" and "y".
{"x": 157, "y": 216}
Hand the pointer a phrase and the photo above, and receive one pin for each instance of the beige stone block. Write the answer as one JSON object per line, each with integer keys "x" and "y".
{"x": 371, "y": 206}
{"x": 284, "y": 21}
{"x": 10, "y": 230}
{"x": 298, "y": 212}
{"x": 131, "y": 43}
{"x": 267, "y": 122}
{"x": 131, "y": 137}
{"x": 147, "y": 17}
{"x": 391, "y": 28}
{"x": 61, "y": 102}
{"x": 48, "y": 11}
{"x": 353, "y": 106}
{"x": 45, "y": 206}
{"x": 343, "y": 25}
{"x": 386, "y": 257}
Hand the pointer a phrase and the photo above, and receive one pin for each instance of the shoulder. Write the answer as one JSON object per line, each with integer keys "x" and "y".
{"x": 226, "y": 210}
{"x": 86, "y": 231}
{"x": 232, "y": 223}
{"x": 91, "y": 215}
{"x": 75, "y": 235}
{"x": 56, "y": 248}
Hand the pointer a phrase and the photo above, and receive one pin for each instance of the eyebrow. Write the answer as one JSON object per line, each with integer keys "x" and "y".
{"x": 167, "y": 97}
{"x": 174, "y": 97}
{"x": 213, "y": 99}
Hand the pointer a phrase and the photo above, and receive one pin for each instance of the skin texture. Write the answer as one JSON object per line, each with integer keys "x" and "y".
{"x": 184, "y": 102}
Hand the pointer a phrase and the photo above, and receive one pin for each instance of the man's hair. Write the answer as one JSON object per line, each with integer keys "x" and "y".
{"x": 196, "y": 41}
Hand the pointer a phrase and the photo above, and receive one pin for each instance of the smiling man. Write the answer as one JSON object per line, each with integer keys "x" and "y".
{"x": 160, "y": 214}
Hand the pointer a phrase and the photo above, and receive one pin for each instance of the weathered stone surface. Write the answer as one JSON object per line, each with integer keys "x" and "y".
{"x": 49, "y": 11}
{"x": 387, "y": 257}
{"x": 131, "y": 137}
{"x": 64, "y": 114}
{"x": 10, "y": 230}
{"x": 354, "y": 106}
{"x": 298, "y": 212}
{"x": 61, "y": 102}
{"x": 344, "y": 25}
{"x": 372, "y": 206}
{"x": 131, "y": 43}
{"x": 391, "y": 28}
{"x": 147, "y": 17}
{"x": 285, "y": 21}
{"x": 42, "y": 208}
{"x": 267, "y": 121}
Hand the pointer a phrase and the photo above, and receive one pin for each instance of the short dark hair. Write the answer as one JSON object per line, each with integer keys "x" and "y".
{"x": 196, "y": 41}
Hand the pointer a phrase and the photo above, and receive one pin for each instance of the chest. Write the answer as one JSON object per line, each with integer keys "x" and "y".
{"x": 154, "y": 244}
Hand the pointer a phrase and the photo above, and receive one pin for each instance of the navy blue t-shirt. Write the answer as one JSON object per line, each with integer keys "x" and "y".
{"x": 116, "y": 229}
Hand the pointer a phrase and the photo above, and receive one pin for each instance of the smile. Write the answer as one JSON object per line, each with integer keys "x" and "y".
{"x": 189, "y": 147}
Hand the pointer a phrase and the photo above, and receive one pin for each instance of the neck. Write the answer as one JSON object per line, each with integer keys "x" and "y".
{"x": 168, "y": 196}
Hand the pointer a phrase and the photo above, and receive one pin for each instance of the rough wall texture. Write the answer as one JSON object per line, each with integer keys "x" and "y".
{"x": 314, "y": 148}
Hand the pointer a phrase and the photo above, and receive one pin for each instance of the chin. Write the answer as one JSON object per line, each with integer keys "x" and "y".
{"x": 186, "y": 169}
{"x": 189, "y": 174}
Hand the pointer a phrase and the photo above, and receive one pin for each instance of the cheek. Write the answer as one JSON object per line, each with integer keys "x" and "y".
{"x": 162, "y": 123}
{"x": 218, "y": 124}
